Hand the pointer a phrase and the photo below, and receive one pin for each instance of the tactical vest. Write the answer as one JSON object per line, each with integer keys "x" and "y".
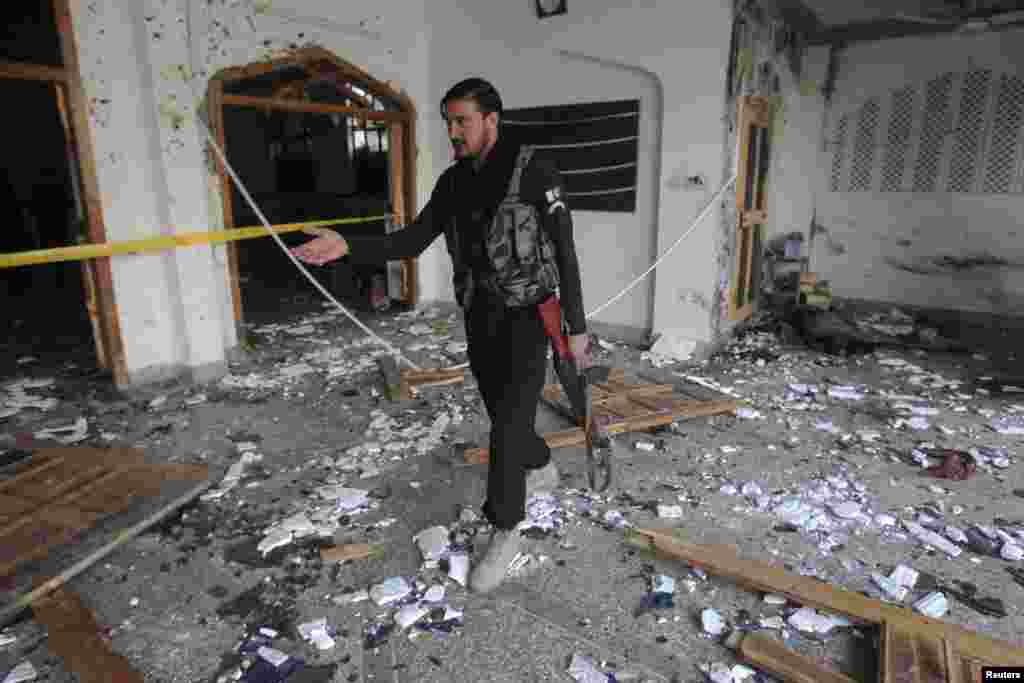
{"x": 521, "y": 255}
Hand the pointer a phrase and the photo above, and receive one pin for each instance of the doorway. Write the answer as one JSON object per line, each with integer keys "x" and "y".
{"x": 48, "y": 198}
{"x": 313, "y": 138}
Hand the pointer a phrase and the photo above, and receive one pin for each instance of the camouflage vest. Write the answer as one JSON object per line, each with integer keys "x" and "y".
{"x": 523, "y": 270}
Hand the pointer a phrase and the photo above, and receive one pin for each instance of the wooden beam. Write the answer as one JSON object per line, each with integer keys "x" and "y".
{"x": 312, "y": 107}
{"x": 870, "y": 31}
{"x": 577, "y": 437}
{"x": 33, "y": 72}
{"x": 774, "y": 657}
{"x": 215, "y": 106}
{"x": 912, "y": 657}
{"x": 409, "y": 155}
{"x": 77, "y": 105}
{"x": 74, "y": 636}
{"x": 396, "y": 184}
{"x": 760, "y": 576}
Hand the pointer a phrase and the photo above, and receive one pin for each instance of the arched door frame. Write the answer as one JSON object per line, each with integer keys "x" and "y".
{"x": 401, "y": 137}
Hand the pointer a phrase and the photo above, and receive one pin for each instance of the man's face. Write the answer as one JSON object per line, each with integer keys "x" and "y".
{"x": 469, "y": 131}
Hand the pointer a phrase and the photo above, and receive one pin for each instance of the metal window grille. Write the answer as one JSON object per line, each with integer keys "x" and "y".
{"x": 970, "y": 129}
{"x": 897, "y": 143}
{"x": 864, "y": 147}
{"x": 838, "y": 154}
{"x": 1002, "y": 158}
{"x": 933, "y": 133}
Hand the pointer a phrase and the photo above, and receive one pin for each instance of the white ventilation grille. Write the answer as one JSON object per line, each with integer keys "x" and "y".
{"x": 933, "y": 133}
{"x": 979, "y": 113}
{"x": 897, "y": 142}
{"x": 970, "y": 128}
{"x": 837, "y": 156}
{"x": 864, "y": 147}
{"x": 1002, "y": 159}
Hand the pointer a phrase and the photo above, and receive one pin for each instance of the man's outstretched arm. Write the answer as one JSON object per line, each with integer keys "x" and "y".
{"x": 407, "y": 242}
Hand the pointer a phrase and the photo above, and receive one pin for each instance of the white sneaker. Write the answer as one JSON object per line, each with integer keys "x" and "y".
{"x": 543, "y": 479}
{"x": 490, "y": 571}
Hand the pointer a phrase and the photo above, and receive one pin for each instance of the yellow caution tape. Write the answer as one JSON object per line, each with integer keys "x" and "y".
{"x": 185, "y": 239}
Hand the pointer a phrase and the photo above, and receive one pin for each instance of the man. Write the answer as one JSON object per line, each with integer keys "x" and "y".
{"x": 509, "y": 232}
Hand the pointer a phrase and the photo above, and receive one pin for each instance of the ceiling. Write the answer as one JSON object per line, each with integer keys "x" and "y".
{"x": 842, "y": 21}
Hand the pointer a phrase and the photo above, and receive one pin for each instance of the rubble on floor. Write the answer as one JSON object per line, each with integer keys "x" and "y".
{"x": 888, "y": 473}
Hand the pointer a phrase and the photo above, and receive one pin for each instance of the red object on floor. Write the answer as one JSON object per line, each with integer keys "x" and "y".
{"x": 955, "y": 465}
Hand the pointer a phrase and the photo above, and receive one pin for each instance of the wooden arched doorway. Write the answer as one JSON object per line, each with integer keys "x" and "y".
{"x": 313, "y": 80}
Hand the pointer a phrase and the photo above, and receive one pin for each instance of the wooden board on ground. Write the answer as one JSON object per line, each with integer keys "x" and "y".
{"x": 627, "y": 407}
{"x": 915, "y": 648}
{"x": 770, "y": 655}
{"x": 400, "y": 382}
{"x": 74, "y": 636}
{"x": 59, "y": 493}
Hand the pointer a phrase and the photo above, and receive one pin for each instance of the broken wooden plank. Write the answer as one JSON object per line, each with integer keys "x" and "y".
{"x": 764, "y": 577}
{"x": 351, "y": 551}
{"x": 774, "y": 657}
{"x": 74, "y": 636}
{"x": 11, "y": 611}
{"x": 954, "y": 666}
{"x": 577, "y": 437}
{"x": 433, "y": 375}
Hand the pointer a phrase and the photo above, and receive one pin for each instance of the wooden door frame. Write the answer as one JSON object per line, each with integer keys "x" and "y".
{"x": 98, "y": 275}
{"x": 402, "y": 167}
{"x": 751, "y": 200}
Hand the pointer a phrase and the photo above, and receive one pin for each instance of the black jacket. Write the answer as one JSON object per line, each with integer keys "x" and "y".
{"x": 471, "y": 197}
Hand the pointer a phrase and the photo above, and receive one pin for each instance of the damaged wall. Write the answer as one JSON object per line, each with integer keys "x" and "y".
{"x": 670, "y": 56}
{"x": 920, "y": 197}
{"x": 146, "y": 65}
{"x": 145, "y": 68}
{"x": 769, "y": 60}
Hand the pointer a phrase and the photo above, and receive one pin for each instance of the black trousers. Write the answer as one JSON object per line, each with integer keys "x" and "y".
{"x": 507, "y": 350}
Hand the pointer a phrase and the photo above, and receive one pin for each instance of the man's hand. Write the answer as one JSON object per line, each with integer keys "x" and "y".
{"x": 328, "y": 246}
{"x": 579, "y": 349}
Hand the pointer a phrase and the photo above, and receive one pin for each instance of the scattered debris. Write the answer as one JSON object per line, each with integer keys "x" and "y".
{"x": 583, "y": 670}
{"x": 712, "y": 622}
{"x": 389, "y": 591}
{"x": 932, "y": 605}
{"x": 317, "y": 633}
{"x": 66, "y": 435}
{"x": 21, "y": 673}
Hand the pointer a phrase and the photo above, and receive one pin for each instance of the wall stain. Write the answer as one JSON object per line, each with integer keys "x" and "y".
{"x": 972, "y": 262}
{"x": 835, "y": 248}
{"x": 952, "y": 265}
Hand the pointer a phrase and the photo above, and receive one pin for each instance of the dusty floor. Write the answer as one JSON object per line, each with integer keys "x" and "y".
{"x": 180, "y": 598}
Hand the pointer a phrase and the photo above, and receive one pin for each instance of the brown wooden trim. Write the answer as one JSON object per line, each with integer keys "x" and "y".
{"x": 87, "y": 271}
{"x": 77, "y": 104}
{"x": 32, "y": 72}
{"x": 771, "y": 655}
{"x": 397, "y": 183}
{"x": 311, "y": 107}
{"x": 214, "y": 105}
{"x": 411, "y": 153}
{"x": 753, "y": 112}
{"x": 322, "y": 63}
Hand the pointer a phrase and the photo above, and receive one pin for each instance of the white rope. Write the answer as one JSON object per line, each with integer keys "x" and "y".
{"x": 661, "y": 258}
{"x": 394, "y": 351}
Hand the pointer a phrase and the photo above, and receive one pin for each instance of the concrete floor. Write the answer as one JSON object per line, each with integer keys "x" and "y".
{"x": 200, "y": 586}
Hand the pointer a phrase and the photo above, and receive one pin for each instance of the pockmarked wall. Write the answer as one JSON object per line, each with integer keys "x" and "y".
{"x": 145, "y": 67}
{"x": 672, "y": 56}
{"x": 921, "y": 194}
